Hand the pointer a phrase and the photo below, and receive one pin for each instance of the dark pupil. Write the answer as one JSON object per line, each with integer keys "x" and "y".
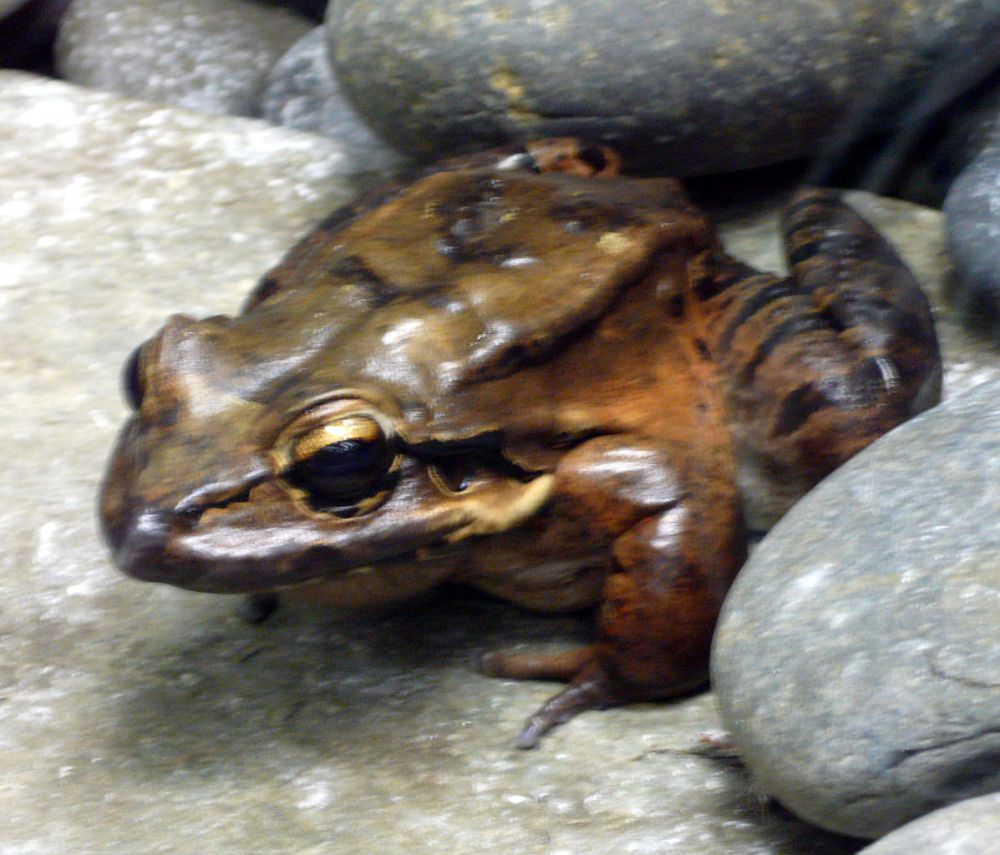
{"x": 341, "y": 472}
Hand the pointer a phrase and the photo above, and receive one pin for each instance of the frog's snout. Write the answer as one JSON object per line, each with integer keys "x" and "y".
{"x": 139, "y": 544}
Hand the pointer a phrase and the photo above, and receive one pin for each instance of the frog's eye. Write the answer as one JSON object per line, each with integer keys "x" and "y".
{"x": 340, "y": 463}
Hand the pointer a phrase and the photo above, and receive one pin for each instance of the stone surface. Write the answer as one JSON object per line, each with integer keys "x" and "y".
{"x": 972, "y": 214}
{"x": 971, "y": 827}
{"x": 207, "y": 55}
{"x": 301, "y": 92}
{"x": 952, "y": 146}
{"x": 136, "y": 718}
{"x": 857, "y": 661}
{"x": 695, "y": 86}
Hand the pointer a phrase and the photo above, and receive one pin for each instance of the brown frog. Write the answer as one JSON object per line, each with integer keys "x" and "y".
{"x": 528, "y": 374}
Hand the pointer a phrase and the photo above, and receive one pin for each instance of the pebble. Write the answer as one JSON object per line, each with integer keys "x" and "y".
{"x": 971, "y": 827}
{"x": 206, "y": 55}
{"x": 694, "y": 88}
{"x": 972, "y": 217}
{"x": 857, "y": 661}
{"x": 301, "y": 92}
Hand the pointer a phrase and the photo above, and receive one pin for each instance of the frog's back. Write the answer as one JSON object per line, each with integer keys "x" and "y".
{"x": 473, "y": 276}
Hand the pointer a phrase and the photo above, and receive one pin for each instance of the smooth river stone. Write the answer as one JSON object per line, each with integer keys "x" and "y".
{"x": 206, "y": 55}
{"x": 971, "y": 827}
{"x": 301, "y": 92}
{"x": 857, "y": 660}
{"x": 692, "y": 86}
{"x": 972, "y": 217}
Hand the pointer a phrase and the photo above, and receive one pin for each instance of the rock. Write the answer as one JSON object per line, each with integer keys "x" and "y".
{"x": 301, "y": 92}
{"x": 972, "y": 215}
{"x": 857, "y": 661}
{"x": 695, "y": 87}
{"x": 967, "y": 132}
{"x": 206, "y": 55}
{"x": 140, "y": 713}
{"x": 971, "y": 827}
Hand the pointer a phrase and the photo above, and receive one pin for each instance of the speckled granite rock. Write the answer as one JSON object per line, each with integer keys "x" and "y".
{"x": 695, "y": 86}
{"x": 138, "y": 718}
{"x": 857, "y": 661}
{"x": 971, "y": 827}
{"x": 301, "y": 92}
{"x": 972, "y": 214}
{"x": 207, "y": 55}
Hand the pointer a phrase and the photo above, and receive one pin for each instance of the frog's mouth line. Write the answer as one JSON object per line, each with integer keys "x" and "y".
{"x": 257, "y": 539}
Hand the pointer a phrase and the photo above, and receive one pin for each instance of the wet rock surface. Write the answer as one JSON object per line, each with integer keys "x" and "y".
{"x": 144, "y": 714}
{"x": 857, "y": 661}
{"x": 207, "y": 55}
{"x": 694, "y": 87}
{"x": 971, "y": 827}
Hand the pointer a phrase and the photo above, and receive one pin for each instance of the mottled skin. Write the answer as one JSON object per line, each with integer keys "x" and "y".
{"x": 527, "y": 374}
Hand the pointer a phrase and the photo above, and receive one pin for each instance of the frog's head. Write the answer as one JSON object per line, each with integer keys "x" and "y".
{"x": 330, "y": 427}
{"x": 227, "y": 479}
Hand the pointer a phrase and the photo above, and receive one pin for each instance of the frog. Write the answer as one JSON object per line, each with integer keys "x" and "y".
{"x": 531, "y": 373}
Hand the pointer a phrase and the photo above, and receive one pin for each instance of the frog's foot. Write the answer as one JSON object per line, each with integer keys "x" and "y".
{"x": 590, "y": 686}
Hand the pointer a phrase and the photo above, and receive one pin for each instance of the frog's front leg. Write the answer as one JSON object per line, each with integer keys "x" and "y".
{"x": 672, "y": 516}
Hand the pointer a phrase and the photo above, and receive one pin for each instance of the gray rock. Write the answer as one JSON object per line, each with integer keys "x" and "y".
{"x": 301, "y": 92}
{"x": 695, "y": 86}
{"x": 857, "y": 662}
{"x": 971, "y": 827}
{"x": 206, "y": 55}
{"x": 966, "y": 135}
{"x": 136, "y": 718}
{"x": 972, "y": 214}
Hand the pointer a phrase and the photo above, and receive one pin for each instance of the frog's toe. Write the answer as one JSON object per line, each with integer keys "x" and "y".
{"x": 584, "y": 693}
{"x": 562, "y": 666}
{"x": 591, "y": 686}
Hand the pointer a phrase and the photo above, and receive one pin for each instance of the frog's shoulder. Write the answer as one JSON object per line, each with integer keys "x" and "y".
{"x": 483, "y": 271}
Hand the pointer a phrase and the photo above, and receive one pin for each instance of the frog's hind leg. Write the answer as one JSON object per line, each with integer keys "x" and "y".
{"x": 856, "y": 279}
{"x": 818, "y": 365}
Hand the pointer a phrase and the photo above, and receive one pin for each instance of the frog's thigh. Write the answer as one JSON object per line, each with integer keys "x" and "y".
{"x": 672, "y": 514}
